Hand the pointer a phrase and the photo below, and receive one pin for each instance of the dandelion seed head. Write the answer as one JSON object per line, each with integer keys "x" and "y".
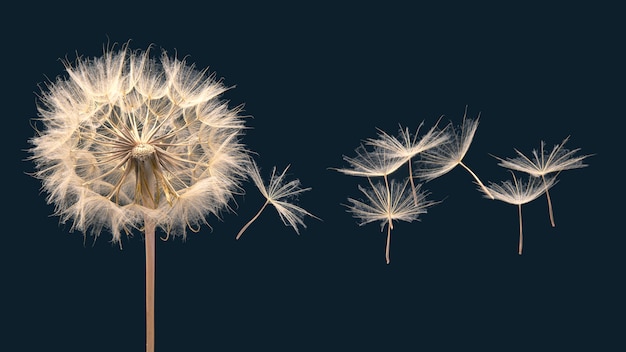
{"x": 127, "y": 136}
{"x": 142, "y": 151}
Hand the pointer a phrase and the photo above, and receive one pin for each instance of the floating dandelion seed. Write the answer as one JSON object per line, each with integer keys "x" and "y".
{"x": 542, "y": 164}
{"x": 387, "y": 203}
{"x": 440, "y": 160}
{"x": 279, "y": 194}
{"x": 131, "y": 142}
{"x": 407, "y": 146}
{"x": 378, "y": 162}
{"x": 519, "y": 193}
{"x": 373, "y": 163}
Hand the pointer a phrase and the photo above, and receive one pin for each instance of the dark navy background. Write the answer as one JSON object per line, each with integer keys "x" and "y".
{"x": 318, "y": 79}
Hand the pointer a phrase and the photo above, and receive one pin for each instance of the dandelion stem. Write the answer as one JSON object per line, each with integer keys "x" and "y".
{"x": 387, "y": 256}
{"x": 521, "y": 237}
{"x": 252, "y": 220}
{"x": 549, "y": 202}
{"x": 150, "y": 274}
{"x": 477, "y": 180}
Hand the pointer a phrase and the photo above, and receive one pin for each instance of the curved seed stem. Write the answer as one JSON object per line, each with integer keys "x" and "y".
{"x": 477, "y": 180}
{"x": 251, "y": 220}
{"x": 549, "y": 203}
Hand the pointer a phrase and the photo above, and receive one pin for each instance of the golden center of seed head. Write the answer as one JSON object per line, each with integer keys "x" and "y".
{"x": 142, "y": 151}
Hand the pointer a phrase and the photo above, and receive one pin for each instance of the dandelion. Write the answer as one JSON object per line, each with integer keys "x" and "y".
{"x": 133, "y": 142}
{"x": 279, "y": 194}
{"x": 407, "y": 146}
{"x": 388, "y": 203}
{"x": 519, "y": 193}
{"x": 542, "y": 164}
{"x": 442, "y": 159}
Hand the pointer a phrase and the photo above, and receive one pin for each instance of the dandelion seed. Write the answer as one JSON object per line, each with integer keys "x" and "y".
{"x": 373, "y": 163}
{"x": 519, "y": 193}
{"x": 442, "y": 159}
{"x": 378, "y": 162}
{"x": 280, "y": 195}
{"x": 131, "y": 142}
{"x": 388, "y": 203}
{"x": 543, "y": 163}
{"x": 407, "y": 146}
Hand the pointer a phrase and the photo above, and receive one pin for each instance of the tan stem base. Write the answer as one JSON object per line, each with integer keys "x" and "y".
{"x": 150, "y": 244}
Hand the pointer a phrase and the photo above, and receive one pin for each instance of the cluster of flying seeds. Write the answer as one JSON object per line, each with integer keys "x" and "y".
{"x": 430, "y": 156}
{"x": 542, "y": 170}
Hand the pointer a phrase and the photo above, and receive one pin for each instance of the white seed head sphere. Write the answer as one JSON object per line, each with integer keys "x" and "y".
{"x": 125, "y": 137}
